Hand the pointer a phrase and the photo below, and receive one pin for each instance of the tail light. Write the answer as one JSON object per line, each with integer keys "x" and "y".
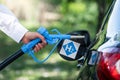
{"x": 109, "y": 66}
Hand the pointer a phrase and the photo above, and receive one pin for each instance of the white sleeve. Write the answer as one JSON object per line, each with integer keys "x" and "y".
{"x": 10, "y": 25}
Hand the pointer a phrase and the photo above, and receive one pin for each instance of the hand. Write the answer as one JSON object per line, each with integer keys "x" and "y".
{"x": 33, "y": 35}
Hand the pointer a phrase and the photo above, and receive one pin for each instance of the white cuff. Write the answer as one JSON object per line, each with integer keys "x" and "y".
{"x": 18, "y": 32}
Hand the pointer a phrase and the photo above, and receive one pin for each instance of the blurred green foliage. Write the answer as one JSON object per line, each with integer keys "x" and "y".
{"x": 79, "y": 16}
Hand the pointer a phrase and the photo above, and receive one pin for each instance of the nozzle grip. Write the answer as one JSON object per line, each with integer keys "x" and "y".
{"x": 26, "y": 48}
{"x": 29, "y": 46}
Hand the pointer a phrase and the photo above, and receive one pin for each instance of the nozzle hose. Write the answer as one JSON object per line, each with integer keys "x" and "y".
{"x": 10, "y": 59}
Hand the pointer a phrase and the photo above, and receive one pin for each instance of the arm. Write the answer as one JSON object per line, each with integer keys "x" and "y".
{"x": 10, "y": 25}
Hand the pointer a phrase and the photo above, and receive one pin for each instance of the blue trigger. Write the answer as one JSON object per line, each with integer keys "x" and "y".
{"x": 31, "y": 53}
